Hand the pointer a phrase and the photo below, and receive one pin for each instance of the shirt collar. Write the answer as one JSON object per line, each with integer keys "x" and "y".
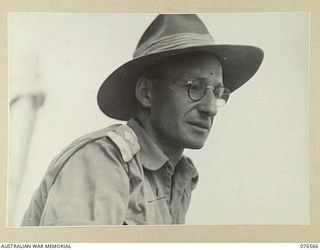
{"x": 152, "y": 157}
{"x": 186, "y": 165}
{"x": 150, "y": 154}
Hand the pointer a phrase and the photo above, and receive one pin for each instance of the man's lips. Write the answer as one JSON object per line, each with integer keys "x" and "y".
{"x": 203, "y": 125}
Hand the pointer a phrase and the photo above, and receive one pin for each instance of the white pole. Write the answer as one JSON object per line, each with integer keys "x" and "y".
{"x": 23, "y": 114}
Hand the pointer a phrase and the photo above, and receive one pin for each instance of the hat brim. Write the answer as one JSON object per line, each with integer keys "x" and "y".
{"x": 116, "y": 96}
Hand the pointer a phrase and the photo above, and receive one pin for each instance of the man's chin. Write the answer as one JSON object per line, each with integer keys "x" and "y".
{"x": 196, "y": 145}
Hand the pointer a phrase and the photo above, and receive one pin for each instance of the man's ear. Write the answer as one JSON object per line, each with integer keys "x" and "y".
{"x": 143, "y": 91}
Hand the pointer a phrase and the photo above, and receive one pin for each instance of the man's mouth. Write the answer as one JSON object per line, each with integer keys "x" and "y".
{"x": 202, "y": 125}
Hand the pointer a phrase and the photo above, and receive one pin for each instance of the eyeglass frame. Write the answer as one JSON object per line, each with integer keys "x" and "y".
{"x": 189, "y": 82}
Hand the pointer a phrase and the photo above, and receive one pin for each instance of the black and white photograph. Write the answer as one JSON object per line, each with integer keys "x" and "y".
{"x": 158, "y": 119}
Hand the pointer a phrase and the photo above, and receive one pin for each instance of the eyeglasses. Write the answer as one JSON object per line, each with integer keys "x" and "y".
{"x": 198, "y": 88}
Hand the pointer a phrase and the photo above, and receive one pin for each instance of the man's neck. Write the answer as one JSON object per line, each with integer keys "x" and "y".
{"x": 173, "y": 153}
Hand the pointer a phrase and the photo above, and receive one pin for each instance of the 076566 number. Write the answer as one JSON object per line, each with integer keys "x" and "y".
{"x": 305, "y": 245}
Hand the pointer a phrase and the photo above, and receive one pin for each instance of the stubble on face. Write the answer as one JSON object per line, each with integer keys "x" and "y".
{"x": 177, "y": 121}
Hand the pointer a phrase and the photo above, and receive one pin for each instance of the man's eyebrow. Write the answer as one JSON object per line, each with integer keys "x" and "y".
{"x": 200, "y": 77}
{"x": 215, "y": 83}
{"x": 219, "y": 84}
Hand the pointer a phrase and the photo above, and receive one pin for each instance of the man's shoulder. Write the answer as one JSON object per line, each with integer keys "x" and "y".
{"x": 98, "y": 157}
{"x": 117, "y": 139}
{"x": 126, "y": 141}
{"x": 94, "y": 153}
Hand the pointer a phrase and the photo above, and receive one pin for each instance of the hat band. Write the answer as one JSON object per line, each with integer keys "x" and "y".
{"x": 176, "y": 41}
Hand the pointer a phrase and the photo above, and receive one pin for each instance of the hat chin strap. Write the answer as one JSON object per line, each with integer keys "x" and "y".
{"x": 172, "y": 42}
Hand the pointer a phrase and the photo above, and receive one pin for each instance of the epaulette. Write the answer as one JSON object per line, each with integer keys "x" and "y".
{"x": 126, "y": 141}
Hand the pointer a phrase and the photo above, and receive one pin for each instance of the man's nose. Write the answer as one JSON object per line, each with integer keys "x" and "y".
{"x": 208, "y": 103}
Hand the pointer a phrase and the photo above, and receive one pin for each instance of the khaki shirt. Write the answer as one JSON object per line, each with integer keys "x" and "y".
{"x": 117, "y": 175}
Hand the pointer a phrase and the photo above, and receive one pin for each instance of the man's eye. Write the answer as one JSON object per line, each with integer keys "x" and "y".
{"x": 195, "y": 86}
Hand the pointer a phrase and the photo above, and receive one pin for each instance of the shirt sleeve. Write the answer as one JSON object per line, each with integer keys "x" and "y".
{"x": 91, "y": 188}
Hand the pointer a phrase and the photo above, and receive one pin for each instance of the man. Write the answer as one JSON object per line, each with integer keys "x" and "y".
{"x": 136, "y": 173}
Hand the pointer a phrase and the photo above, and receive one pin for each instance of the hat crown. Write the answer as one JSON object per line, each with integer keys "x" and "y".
{"x": 167, "y": 36}
{"x": 168, "y": 26}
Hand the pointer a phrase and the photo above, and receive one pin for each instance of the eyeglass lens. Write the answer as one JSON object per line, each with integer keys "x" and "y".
{"x": 197, "y": 89}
